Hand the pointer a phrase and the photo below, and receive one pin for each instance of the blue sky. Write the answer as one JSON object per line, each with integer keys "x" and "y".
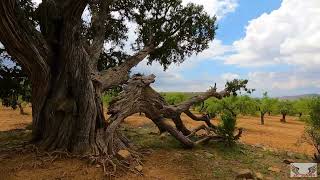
{"x": 232, "y": 26}
{"x": 273, "y": 43}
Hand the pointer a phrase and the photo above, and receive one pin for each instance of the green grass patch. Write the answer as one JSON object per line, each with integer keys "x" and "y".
{"x": 214, "y": 160}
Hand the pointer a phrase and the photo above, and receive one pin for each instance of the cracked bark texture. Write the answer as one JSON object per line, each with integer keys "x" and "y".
{"x": 66, "y": 89}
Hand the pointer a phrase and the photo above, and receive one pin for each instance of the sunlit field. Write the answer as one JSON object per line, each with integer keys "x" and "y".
{"x": 260, "y": 147}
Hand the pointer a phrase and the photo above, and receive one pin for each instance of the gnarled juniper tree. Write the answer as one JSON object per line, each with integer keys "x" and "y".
{"x": 70, "y": 65}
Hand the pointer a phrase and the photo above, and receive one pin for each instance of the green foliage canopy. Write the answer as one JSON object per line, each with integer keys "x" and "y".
{"x": 266, "y": 104}
{"x": 313, "y": 128}
{"x": 301, "y": 106}
{"x": 15, "y": 86}
{"x": 285, "y": 107}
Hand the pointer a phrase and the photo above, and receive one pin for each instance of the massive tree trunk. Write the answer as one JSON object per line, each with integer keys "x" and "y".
{"x": 66, "y": 93}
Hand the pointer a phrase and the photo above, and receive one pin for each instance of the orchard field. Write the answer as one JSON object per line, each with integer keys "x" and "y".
{"x": 261, "y": 147}
{"x": 273, "y": 135}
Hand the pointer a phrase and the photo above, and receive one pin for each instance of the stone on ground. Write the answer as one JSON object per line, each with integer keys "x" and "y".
{"x": 274, "y": 169}
{"x": 138, "y": 168}
{"x": 123, "y": 154}
{"x": 259, "y": 176}
{"x": 245, "y": 174}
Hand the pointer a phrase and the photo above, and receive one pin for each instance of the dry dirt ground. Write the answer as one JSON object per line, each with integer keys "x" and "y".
{"x": 274, "y": 142}
{"x": 274, "y": 134}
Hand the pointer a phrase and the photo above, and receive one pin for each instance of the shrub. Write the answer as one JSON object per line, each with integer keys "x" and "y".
{"x": 313, "y": 126}
{"x": 227, "y": 127}
{"x": 212, "y": 107}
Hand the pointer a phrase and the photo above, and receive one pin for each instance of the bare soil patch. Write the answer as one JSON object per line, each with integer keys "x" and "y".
{"x": 12, "y": 119}
{"x": 274, "y": 134}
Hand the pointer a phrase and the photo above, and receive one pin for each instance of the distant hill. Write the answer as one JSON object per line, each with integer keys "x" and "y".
{"x": 299, "y": 96}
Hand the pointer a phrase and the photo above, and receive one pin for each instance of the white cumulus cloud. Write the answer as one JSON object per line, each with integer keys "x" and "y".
{"x": 216, "y": 7}
{"x": 288, "y": 35}
{"x": 230, "y": 76}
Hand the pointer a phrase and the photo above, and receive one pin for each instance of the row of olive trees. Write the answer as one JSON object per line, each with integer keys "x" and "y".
{"x": 247, "y": 105}
{"x": 308, "y": 109}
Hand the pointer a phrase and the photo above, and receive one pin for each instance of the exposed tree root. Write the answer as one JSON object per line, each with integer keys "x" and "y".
{"x": 111, "y": 165}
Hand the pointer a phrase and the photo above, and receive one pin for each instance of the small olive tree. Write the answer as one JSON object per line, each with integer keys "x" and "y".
{"x": 285, "y": 107}
{"x": 301, "y": 106}
{"x": 264, "y": 105}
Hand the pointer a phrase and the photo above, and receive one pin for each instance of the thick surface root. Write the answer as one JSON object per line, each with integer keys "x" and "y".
{"x": 112, "y": 166}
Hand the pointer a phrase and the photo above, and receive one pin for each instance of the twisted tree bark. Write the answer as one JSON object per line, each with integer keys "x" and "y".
{"x": 66, "y": 88}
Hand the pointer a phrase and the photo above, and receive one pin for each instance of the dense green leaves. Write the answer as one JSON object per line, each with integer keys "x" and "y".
{"x": 227, "y": 127}
{"x": 246, "y": 105}
{"x": 301, "y": 106}
{"x": 265, "y": 104}
{"x": 212, "y": 107}
{"x": 313, "y": 128}
{"x": 314, "y": 108}
{"x": 15, "y": 86}
{"x": 285, "y": 107}
{"x": 174, "y": 98}
{"x": 235, "y": 86}
{"x": 234, "y": 104}
{"x": 176, "y": 31}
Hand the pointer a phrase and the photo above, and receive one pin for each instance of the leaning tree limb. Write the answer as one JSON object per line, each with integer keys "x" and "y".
{"x": 137, "y": 96}
{"x": 120, "y": 74}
